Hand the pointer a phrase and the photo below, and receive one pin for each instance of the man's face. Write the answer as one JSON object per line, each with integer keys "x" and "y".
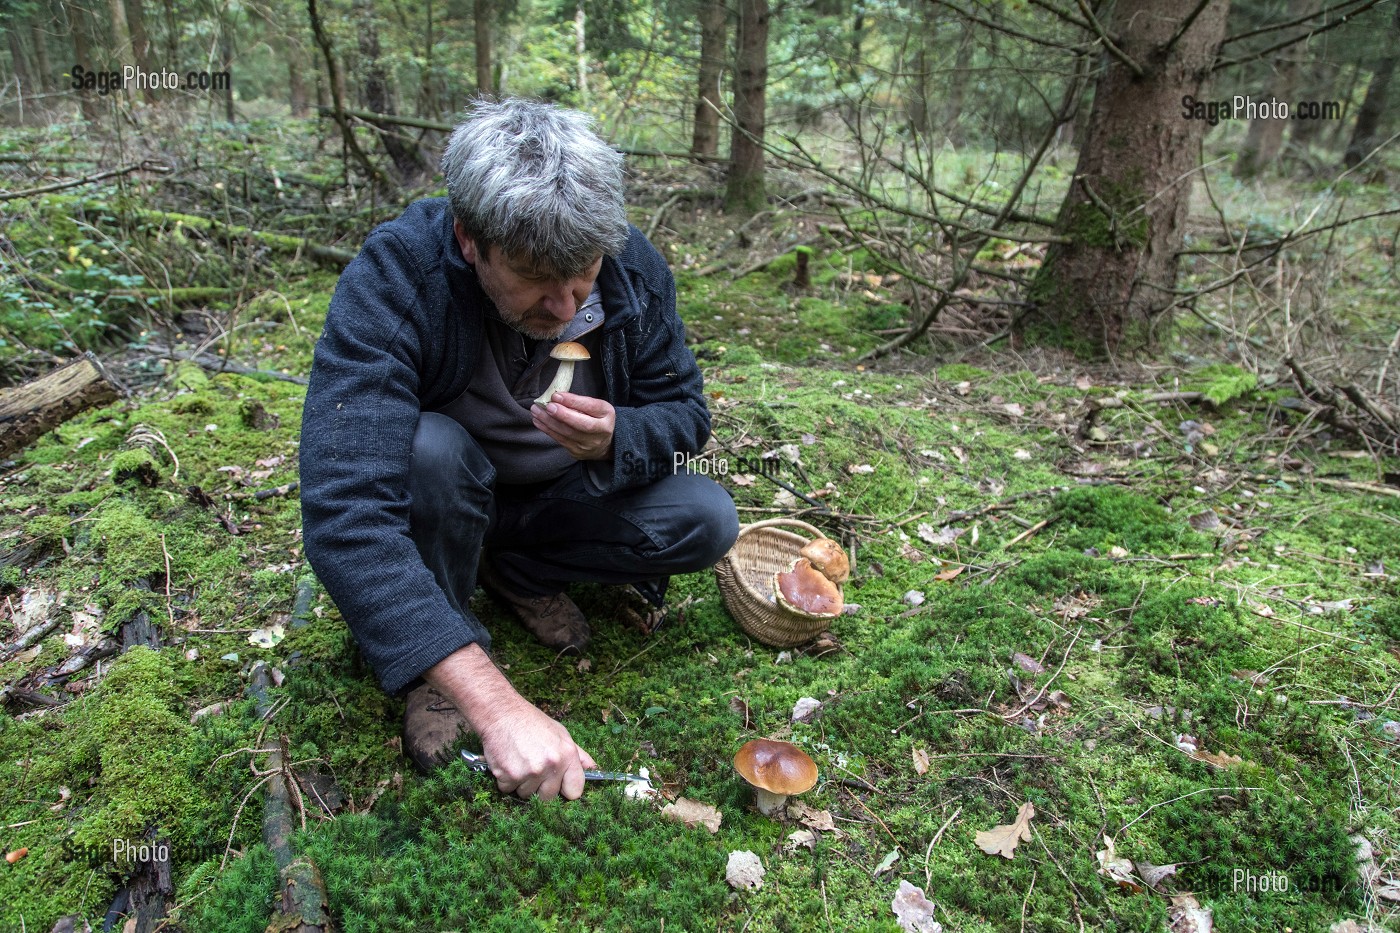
{"x": 537, "y": 306}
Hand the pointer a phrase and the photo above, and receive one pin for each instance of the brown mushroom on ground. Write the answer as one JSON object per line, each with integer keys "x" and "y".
{"x": 806, "y": 591}
{"x": 828, "y": 557}
{"x": 776, "y": 770}
{"x": 567, "y": 353}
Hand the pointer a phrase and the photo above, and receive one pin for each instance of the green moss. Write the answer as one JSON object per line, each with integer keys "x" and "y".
{"x": 1111, "y": 516}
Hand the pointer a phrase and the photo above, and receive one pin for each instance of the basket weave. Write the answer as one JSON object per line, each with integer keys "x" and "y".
{"x": 745, "y": 577}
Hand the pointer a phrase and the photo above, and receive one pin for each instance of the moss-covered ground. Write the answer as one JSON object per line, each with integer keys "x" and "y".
{"x": 1183, "y": 638}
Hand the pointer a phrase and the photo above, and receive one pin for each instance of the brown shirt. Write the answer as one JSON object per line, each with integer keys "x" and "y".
{"x": 511, "y": 371}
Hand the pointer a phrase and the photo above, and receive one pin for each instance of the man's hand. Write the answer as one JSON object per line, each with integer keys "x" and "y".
{"x": 529, "y": 753}
{"x": 583, "y": 426}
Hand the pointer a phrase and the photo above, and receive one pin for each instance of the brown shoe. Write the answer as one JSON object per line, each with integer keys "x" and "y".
{"x": 554, "y": 620}
{"x": 431, "y": 726}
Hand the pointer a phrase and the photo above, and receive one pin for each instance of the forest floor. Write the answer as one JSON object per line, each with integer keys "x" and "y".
{"x": 1173, "y": 631}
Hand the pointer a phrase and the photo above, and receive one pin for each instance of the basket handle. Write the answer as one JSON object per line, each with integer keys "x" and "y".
{"x": 776, "y": 522}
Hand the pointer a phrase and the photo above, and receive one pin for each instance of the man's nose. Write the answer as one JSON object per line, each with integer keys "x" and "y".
{"x": 559, "y": 301}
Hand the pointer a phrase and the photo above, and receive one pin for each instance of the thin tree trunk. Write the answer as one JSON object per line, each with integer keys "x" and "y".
{"x": 226, "y": 61}
{"x": 1265, "y": 137}
{"x": 428, "y": 91}
{"x": 582, "y": 49}
{"x": 1125, "y": 211}
{"x": 957, "y": 88}
{"x": 140, "y": 40}
{"x": 746, "y": 194}
{"x": 337, "y": 95}
{"x": 296, "y": 84}
{"x": 20, "y": 64}
{"x": 705, "y": 140}
{"x": 1367, "y": 134}
{"x": 48, "y": 78}
{"x": 80, "y": 27}
{"x": 121, "y": 35}
{"x": 379, "y": 97}
{"x": 481, "y": 14}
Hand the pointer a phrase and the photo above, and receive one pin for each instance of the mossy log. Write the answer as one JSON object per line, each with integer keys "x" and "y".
{"x": 326, "y": 255}
{"x": 302, "y": 905}
{"x": 27, "y": 411}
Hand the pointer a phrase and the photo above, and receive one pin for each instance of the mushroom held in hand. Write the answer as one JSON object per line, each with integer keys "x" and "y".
{"x": 806, "y": 591}
{"x": 828, "y": 557}
{"x": 775, "y": 769}
{"x": 567, "y": 353}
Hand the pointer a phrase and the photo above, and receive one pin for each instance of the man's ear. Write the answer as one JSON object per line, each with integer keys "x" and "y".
{"x": 465, "y": 243}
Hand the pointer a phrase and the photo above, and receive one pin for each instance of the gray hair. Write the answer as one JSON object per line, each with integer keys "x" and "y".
{"x": 535, "y": 180}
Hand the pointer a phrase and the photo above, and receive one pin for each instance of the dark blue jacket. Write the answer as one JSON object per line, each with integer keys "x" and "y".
{"x": 401, "y": 338}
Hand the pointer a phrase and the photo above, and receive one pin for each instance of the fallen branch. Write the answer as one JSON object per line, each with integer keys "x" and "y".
{"x": 30, "y": 410}
{"x": 217, "y": 364}
{"x": 145, "y": 166}
{"x": 280, "y": 242}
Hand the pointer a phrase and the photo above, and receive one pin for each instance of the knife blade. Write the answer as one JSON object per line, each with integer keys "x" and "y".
{"x": 478, "y": 763}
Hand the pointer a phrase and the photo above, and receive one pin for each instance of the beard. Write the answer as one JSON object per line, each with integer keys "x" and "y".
{"x": 536, "y": 324}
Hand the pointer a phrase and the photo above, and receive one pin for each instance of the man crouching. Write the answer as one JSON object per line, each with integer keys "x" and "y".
{"x": 428, "y": 466}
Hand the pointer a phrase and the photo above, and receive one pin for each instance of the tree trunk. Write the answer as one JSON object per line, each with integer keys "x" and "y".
{"x": 80, "y": 27}
{"x": 705, "y": 140}
{"x": 481, "y": 13}
{"x": 1265, "y": 137}
{"x": 957, "y": 88}
{"x": 48, "y": 78}
{"x": 226, "y": 60}
{"x": 20, "y": 64}
{"x": 140, "y": 40}
{"x": 1125, "y": 211}
{"x": 30, "y": 410}
{"x": 121, "y": 35}
{"x": 296, "y": 84}
{"x": 379, "y": 97}
{"x": 745, "y": 194}
{"x": 1367, "y": 134}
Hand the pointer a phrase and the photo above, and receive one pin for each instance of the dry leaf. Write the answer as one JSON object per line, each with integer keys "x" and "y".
{"x": 1218, "y": 760}
{"x": 1116, "y": 868}
{"x": 887, "y": 862}
{"x": 940, "y": 537}
{"x": 693, "y": 813}
{"x": 1187, "y": 916}
{"x": 1027, "y": 663}
{"x": 914, "y": 910}
{"x": 805, "y": 708}
{"x": 948, "y": 572}
{"x": 800, "y": 838}
{"x": 920, "y": 761}
{"x": 813, "y": 819}
{"x": 267, "y": 637}
{"x": 744, "y": 872}
{"x": 742, "y": 479}
{"x": 1003, "y": 840}
{"x": 913, "y": 598}
{"x": 1153, "y": 875}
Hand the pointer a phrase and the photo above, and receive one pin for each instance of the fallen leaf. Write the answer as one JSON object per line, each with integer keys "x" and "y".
{"x": 267, "y": 637}
{"x": 805, "y": 708}
{"x": 35, "y": 604}
{"x": 1204, "y": 521}
{"x": 28, "y": 654}
{"x": 1218, "y": 760}
{"x": 1116, "y": 868}
{"x": 799, "y": 839}
{"x": 1020, "y": 454}
{"x": 920, "y": 761}
{"x": 785, "y": 499}
{"x": 887, "y": 862}
{"x": 213, "y": 709}
{"x": 860, "y": 468}
{"x": 1002, "y": 840}
{"x": 744, "y": 872}
{"x": 1187, "y": 916}
{"x": 939, "y": 537}
{"x": 819, "y": 820}
{"x": 742, "y": 479}
{"x": 1014, "y": 409}
{"x": 1154, "y": 875}
{"x": 1027, "y": 663}
{"x": 693, "y": 813}
{"x": 913, "y": 598}
{"x": 948, "y": 572}
{"x": 914, "y": 910}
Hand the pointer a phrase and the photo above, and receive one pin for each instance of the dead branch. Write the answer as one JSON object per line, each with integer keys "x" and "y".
{"x": 36, "y": 407}
{"x": 144, "y": 166}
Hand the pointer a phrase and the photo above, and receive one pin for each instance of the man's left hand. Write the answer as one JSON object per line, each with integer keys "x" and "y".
{"x": 583, "y": 426}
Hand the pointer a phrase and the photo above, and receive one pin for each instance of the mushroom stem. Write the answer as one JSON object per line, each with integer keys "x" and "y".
{"x": 563, "y": 380}
{"x": 769, "y": 802}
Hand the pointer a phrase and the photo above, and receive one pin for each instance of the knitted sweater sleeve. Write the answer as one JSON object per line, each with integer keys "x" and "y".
{"x": 361, "y": 412}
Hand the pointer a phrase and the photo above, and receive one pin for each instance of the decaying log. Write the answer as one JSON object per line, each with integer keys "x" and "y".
{"x": 40, "y": 405}
{"x": 302, "y": 905}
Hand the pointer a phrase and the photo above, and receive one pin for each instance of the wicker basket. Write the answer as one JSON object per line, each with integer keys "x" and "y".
{"x": 745, "y": 577}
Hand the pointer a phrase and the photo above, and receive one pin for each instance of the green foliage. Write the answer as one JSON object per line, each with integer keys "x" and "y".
{"x": 1108, "y": 516}
{"x": 1224, "y": 383}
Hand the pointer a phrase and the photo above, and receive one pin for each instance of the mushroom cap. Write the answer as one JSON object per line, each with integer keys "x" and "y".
{"x": 777, "y": 767}
{"x": 570, "y": 351}
{"x": 828, "y": 557}
{"x": 806, "y": 590}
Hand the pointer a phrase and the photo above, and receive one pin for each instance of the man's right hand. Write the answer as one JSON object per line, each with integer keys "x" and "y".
{"x": 530, "y": 754}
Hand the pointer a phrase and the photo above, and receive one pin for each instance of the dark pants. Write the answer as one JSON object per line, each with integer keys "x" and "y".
{"x": 545, "y": 536}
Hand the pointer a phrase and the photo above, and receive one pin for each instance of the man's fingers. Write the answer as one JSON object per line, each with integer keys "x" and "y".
{"x": 572, "y": 785}
{"x": 596, "y": 407}
{"x": 587, "y": 760}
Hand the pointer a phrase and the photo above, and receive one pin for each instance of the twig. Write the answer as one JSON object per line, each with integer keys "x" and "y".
{"x": 1029, "y": 532}
{"x": 928, "y": 870}
{"x": 145, "y": 166}
{"x": 1041, "y": 692}
{"x": 169, "y": 606}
